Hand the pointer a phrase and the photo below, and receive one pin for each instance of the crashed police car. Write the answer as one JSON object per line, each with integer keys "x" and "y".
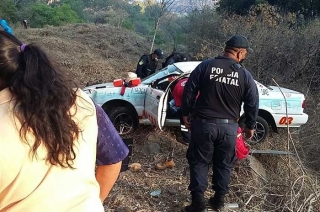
{"x": 147, "y": 102}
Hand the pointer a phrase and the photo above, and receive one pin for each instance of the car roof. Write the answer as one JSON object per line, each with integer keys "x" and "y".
{"x": 187, "y": 66}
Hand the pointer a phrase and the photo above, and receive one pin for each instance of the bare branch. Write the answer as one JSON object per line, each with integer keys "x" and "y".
{"x": 159, "y": 9}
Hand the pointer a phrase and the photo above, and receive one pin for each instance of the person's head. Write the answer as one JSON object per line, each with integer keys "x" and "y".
{"x": 185, "y": 57}
{"x": 42, "y": 99}
{"x": 157, "y": 54}
{"x": 237, "y": 47}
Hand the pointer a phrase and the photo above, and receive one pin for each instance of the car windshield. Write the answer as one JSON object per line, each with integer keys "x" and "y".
{"x": 161, "y": 73}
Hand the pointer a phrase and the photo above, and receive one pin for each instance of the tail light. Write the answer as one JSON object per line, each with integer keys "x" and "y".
{"x": 304, "y": 104}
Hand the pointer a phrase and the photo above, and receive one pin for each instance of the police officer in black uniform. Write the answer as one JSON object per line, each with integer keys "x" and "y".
{"x": 176, "y": 57}
{"x": 25, "y": 23}
{"x": 148, "y": 63}
{"x": 223, "y": 84}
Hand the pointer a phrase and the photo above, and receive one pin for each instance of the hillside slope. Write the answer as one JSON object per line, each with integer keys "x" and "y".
{"x": 90, "y": 53}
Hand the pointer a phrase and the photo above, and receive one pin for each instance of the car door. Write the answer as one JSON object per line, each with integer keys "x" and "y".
{"x": 156, "y": 106}
{"x": 163, "y": 105}
{"x": 162, "y": 109}
{"x": 151, "y": 105}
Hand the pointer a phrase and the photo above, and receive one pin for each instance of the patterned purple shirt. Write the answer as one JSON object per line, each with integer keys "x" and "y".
{"x": 110, "y": 147}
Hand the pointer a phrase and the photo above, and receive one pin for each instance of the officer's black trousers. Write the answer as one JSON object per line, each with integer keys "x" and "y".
{"x": 211, "y": 143}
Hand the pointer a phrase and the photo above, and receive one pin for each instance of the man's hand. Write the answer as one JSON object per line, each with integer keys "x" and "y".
{"x": 187, "y": 121}
{"x": 247, "y": 133}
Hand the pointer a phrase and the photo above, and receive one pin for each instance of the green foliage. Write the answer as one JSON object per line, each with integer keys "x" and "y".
{"x": 141, "y": 28}
{"x": 77, "y": 6}
{"x": 42, "y": 15}
{"x": 127, "y": 24}
{"x": 8, "y": 11}
{"x": 160, "y": 38}
{"x": 63, "y": 15}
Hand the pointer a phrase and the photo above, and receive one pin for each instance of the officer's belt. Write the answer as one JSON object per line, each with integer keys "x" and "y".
{"x": 217, "y": 120}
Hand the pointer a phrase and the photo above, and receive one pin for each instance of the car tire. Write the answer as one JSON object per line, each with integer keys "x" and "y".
{"x": 261, "y": 130}
{"x": 123, "y": 119}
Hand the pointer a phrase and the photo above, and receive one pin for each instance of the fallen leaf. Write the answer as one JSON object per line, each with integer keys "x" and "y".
{"x": 134, "y": 167}
{"x": 166, "y": 164}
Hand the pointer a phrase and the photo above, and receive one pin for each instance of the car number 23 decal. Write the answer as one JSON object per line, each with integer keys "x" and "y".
{"x": 285, "y": 120}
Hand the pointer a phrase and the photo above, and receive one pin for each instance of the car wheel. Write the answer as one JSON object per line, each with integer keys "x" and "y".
{"x": 123, "y": 119}
{"x": 261, "y": 130}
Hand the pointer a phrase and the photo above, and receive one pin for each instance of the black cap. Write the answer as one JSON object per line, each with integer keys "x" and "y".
{"x": 239, "y": 41}
{"x": 159, "y": 53}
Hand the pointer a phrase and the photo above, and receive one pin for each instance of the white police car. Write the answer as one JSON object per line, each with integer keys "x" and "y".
{"x": 148, "y": 103}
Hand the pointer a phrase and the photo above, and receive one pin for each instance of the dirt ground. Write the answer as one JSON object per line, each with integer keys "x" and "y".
{"x": 132, "y": 191}
{"x": 248, "y": 188}
{"x": 94, "y": 54}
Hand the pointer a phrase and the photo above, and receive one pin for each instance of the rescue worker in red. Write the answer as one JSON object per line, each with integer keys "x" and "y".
{"x": 148, "y": 64}
{"x": 224, "y": 85}
{"x": 177, "y": 96}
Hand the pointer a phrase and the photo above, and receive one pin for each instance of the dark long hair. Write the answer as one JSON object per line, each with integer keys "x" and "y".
{"x": 43, "y": 99}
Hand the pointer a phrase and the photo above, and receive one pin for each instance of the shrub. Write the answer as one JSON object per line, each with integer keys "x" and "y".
{"x": 42, "y": 15}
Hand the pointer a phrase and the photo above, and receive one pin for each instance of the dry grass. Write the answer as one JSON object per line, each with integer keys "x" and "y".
{"x": 288, "y": 187}
{"x": 89, "y": 53}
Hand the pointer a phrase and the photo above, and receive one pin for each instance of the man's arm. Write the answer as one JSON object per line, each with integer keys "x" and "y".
{"x": 191, "y": 88}
{"x": 251, "y": 102}
{"x": 111, "y": 150}
{"x": 141, "y": 64}
{"x": 106, "y": 176}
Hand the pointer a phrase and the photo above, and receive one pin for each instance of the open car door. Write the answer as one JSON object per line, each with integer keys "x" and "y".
{"x": 163, "y": 105}
{"x": 156, "y": 105}
{"x": 151, "y": 105}
{"x": 156, "y": 101}
{"x": 162, "y": 108}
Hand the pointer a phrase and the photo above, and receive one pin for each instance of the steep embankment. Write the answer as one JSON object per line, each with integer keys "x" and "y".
{"x": 90, "y": 53}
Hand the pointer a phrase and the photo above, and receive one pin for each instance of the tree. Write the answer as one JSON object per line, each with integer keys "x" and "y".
{"x": 309, "y": 8}
{"x": 76, "y": 5}
{"x": 42, "y": 14}
{"x": 239, "y": 7}
{"x": 19, "y": 4}
{"x": 158, "y": 10}
{"x": 8, "y": 11}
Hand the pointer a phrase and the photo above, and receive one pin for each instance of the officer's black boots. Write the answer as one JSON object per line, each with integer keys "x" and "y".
{"x": 198, "y": 203}
{"x": 217, "y": 201}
